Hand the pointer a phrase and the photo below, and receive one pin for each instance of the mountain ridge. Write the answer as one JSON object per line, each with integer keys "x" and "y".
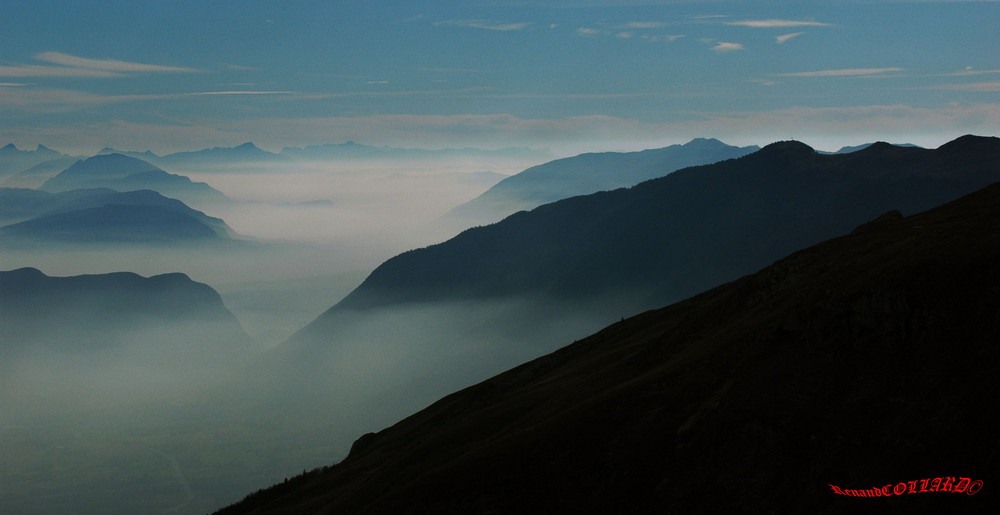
{"x": 105, "y": 215}
{"x": 125, "y": 173}
{"x": 588, "y": 173}
{"x": 787, "y": 184}
{"x": 852, "y": 362}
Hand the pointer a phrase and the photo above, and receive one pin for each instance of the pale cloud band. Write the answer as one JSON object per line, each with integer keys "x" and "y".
{"x": 772, "y": 24}
{"x": 847, "y": 72}
{"x": 109, "y": 65}
{"x": 724, "y": 46}
{"x": 826, "y": 128}
{"x": 485, "y": 25}
{"x": 70, "y": 66}
{"x": 785, "y": 37}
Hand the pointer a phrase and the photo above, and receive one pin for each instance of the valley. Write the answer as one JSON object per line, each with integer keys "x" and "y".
{"x": 333, "y": 347}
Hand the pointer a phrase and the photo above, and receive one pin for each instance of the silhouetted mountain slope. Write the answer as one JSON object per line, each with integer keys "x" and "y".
{"x": 590, "y": 173}
{"x": 86, "y": 172}
{"x": 86, "y": 313}
{"x": 855, "y": 148}
{"x": 113, "y": 223}
{"x": 125, "y": 173}
{"x": 669, "y": 238}
{"x": 147, "y": 155}
{"x": 247, "y": 152}
{"x": 35, "y": 176}
{"x": 103, "y": 215}
{"x": 864, "y": 361}
{"x": 14, "y": 160}
{"x": 352, "y": 150}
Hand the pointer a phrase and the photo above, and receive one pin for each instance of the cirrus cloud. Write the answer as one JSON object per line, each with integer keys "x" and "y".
{"x": 70, "y": 66}
{"x": 785, "y": 37}
{"x": 485, "y": 25}
{"x": 723, "y": 46}
{"x": 772, "y": 24}
{"x": 846, "y": 72}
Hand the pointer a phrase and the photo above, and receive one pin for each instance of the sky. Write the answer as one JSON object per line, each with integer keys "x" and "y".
{"x": 569, "y": 76}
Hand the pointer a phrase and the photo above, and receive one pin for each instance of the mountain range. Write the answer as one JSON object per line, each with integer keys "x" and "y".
{"x": 589, "y": 173}
{"x": 103, "y": 215}
{"x": 89, "y": 313}
{"x": 14, "y": 160}
{"x": 124, "y": 173}
{"x": 669, "y": 238}
{"x": 863, "y": 361}
{"x": 352, "y": 150}
{"x": 434, "y": 320}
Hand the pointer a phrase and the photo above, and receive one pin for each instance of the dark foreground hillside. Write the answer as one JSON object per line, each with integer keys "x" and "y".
{"x": 864, "y": 361}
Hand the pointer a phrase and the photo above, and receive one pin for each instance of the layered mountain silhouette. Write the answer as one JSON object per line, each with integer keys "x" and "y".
{"x": 589, "y": 173}
{"x": 35, "y": 176}
{"x": 669, "y": 238}
{"x": 353, "y": 150}
{"x": 124, "y": 173}
{"x": 103, "y": 216}
{"x": 863, "y": 361}
{"x": 89, "y": 313}
{"x": 247, "y": 152}
{"x": 14, "y": 160}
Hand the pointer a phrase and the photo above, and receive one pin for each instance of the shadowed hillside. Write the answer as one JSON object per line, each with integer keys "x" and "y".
{"x": 863, "y": 361}
{"x": 125, "y": 173}
{"x": 672, "y": 237}
{"x": 434, "y": 320}
{"x": 81, "y": 313}
{"x": 589, "y": 173}
{"x": 103, "y": 216}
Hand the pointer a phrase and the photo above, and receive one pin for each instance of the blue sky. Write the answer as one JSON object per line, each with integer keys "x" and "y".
{"x": 570, "y": 76}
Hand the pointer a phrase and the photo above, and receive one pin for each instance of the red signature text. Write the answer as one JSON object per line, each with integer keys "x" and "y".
{"x": 917, "y": 486}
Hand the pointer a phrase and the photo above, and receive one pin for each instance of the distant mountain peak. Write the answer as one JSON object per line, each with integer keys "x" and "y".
{"x": 23, "y": 274}
{"x": 971, "y": 142}
{"x": 791, "y": 147}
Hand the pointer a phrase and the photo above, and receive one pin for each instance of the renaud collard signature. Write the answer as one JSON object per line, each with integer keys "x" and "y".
{"x": 917, "y": 486}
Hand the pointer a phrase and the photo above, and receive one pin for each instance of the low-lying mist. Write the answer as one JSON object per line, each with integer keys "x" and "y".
{"x": 380, "y": 206}
{"x": 150, "y": 417}
{"x": 130, "y": 430}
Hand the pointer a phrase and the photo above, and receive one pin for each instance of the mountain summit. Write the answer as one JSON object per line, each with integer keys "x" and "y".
{"x": 672, "y": 237}
{"x": 125, "y": 173}
{"x": 589, "y": 173}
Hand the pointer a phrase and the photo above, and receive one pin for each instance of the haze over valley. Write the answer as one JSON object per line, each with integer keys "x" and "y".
{"x": 497, "y": 257}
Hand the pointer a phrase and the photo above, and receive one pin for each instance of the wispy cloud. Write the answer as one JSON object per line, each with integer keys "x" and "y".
{"x": 70, "y": 66}
{"x": 110, "y": 65}
{"x": 234, "y": 92}
{"x": 776, "y": 24}
{"x": 723, "y": 46}
{"x": 846, "y": 72}
{"x": 587, "y": 31}
{"x": 35, "y": 70}
{"x": 785, "y": 37}
{"x": 970, "y": 71}
{"x": 638, "y": 25}
{"x": 662, "y": 37}
{"x": 975, "y": 87}
{"x": 485, "y": 25}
